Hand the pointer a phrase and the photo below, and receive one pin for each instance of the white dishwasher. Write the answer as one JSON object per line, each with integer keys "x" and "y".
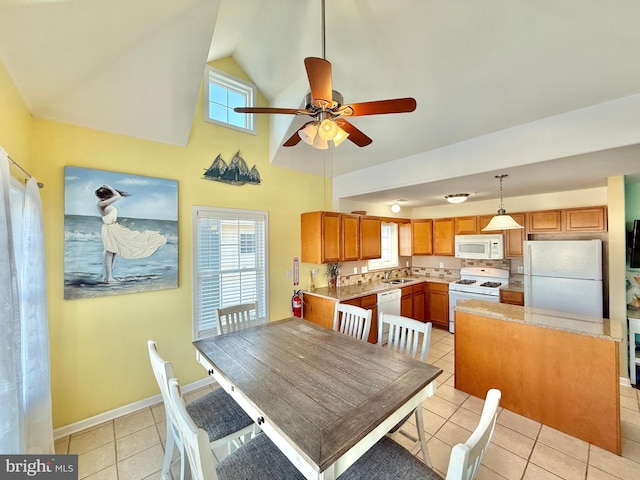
{"x": 389, "y": 302}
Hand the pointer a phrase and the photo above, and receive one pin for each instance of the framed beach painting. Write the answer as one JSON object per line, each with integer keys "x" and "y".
{"x": 120, "y": 233}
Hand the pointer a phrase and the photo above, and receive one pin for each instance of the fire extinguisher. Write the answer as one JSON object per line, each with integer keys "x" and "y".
{"x": 296, "y": 304}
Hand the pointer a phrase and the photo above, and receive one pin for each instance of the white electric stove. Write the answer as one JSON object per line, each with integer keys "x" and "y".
{"x": 477, "y": 283}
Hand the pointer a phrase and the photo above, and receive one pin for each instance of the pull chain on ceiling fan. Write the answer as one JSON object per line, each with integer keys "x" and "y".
{"x": 326, "y": 107}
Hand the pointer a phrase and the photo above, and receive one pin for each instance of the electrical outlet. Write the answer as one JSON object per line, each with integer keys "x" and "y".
{"x": 314, "y": 272}
{"x": 406, "y": 263}
{"x": 441, "y": 264}
{"x": 520, "y": 270}
{"x": 288, "y": 273}
{"x": 355, "y": 269}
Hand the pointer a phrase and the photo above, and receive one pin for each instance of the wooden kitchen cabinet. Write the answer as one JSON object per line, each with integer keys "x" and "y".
{"x": 368, "y": 302}
{"x": 320, "y": 237}
{"x": 406, "y": 302}
{"x": 419, "y": 302}
{"x": 466, "y": 225}
{"x": 592, "y": 219}
{"x": 511, "y": 297}
{"x": 350, "y": 238}
{"x": 370, "y": 238}
{"x": 443, "y": 236}
{"x": 405, "y": 247}
{"x": 438, "y": 304}
{"x": 318, "y": 310}
{"x": 483, "y": 221}
{"x": 422, "y": 237}
{"x": 514, "y": 239}
{"x": 544, "y": 221}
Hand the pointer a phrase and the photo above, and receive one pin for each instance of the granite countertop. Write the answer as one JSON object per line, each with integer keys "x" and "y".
{"x": 565, "y": 322}
{"x": 349, "y": 292}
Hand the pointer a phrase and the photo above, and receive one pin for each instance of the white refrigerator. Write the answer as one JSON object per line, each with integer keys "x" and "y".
{"x": 564, "y": 275}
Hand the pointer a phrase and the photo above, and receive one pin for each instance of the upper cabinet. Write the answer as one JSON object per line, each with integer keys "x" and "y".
{"x": 350, "y": 225}
{"x": 466, "y": 225}
{"x": 320, "y": 239}
{"x": 585, "y": 219}
{"x": 514, "y": 239}
{"x": 443, "y": 236}
{"x": 422, "y": 237}
{"x": 370, "y": 238}
{"x": 329, "y": 237}
{"x": 545, "y": 221}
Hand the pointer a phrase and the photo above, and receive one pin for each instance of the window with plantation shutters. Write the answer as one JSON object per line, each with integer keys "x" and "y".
{"x": 230, "y": 264}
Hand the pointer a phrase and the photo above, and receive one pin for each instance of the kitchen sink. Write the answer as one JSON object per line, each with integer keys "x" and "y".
{"x": 396, "y": 281}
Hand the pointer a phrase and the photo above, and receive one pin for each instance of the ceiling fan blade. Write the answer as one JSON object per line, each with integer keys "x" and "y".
{"x": 355, "y": 135}
{"x": 319, "y": 74}
{"x": 396, "y": 105}
{"x": 294, "y": 139}
{"x": 286, "y": 111}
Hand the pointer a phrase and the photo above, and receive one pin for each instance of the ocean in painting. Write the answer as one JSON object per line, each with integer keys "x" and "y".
{"x": 84, "y": 270}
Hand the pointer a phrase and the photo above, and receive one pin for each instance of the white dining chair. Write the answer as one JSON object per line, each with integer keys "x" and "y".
{"x": 216, "y": 412}
{"x": 351, "y": 320}
{"x": 237, "y": 317}
{"x": 404, "y": 336}
{"x": 257, "y": 459}
{"x": 388, "y": 459}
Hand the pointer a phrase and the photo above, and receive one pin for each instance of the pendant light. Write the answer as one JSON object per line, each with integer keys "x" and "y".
{"x": 501, "y": 221}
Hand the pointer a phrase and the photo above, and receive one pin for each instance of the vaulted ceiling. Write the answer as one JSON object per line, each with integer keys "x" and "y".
{"x": 476, "y": 68}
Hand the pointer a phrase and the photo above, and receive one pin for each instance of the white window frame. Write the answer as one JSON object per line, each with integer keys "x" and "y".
{"x": 389, "y": 258}
{"x": 235, "y": 84}
{"x": 203, "y": 328}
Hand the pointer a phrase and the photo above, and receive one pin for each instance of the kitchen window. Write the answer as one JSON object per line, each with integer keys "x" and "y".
{"x": 229, "y": 264}
{"x": 224, "y": 92}
{"x": 389, "y": 239}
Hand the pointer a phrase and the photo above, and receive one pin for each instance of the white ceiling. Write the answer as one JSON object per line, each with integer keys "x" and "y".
{"x": 475, "y": 68}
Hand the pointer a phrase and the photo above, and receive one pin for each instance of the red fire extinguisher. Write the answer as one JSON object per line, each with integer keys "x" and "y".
{"x": 296, "y": 304}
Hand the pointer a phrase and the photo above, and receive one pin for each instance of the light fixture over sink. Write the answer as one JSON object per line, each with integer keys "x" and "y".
{"x": 457, "y": 197}
{"x": 501, "y": 221}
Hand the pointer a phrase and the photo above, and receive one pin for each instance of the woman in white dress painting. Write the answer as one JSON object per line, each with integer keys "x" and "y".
{"x": 118, "y": 239}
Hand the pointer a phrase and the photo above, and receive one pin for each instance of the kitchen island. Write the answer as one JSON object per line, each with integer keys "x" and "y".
{"x": 559, "y": 369}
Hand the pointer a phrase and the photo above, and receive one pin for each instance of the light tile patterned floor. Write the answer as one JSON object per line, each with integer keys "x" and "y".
{"x": 131, "y": 447}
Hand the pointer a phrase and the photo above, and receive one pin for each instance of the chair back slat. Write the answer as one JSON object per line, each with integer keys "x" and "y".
{"x": 237, "y": 317}
{"x": 352, "y": 320}
{"x": 405, "y": 335}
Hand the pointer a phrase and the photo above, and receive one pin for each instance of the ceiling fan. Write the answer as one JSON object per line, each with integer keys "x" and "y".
{"x": 327, "y": 109}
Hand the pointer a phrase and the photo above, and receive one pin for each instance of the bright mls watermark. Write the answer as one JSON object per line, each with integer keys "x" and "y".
{"x": 39, "y": 467}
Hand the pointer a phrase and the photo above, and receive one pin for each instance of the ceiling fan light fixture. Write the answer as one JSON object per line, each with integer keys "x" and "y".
{"x": 340, "y": 137}
{"x": 457, "y": 197}
{"x": 320, "y": 143}
{"x": 308, "y": 134}
{"x": 328, "y": 129}
{"x": 501, "y": 221}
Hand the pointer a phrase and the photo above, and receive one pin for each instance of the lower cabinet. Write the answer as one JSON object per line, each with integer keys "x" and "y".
{"x": 412, "y": 302}
{"x": 511, "y": 297}
{"x": 318, "y": 310}
{"x": 368, "y": 302}
{"x": 438, "y": 304}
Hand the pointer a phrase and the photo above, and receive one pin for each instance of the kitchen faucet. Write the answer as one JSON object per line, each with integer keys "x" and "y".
{"x": 387, "y": 274}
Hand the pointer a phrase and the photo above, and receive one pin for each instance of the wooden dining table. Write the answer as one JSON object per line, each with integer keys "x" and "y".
{"x": 324, "y": 398}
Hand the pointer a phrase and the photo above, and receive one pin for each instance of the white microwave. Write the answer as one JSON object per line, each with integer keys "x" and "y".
{"x": 484, "y": 247}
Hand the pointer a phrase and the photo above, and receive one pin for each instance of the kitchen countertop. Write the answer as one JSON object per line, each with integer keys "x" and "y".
{"x": 566, "y": 322}
{"x": 349, "y": 292}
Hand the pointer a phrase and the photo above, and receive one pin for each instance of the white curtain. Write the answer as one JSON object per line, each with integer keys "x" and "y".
{"x": 25, "y": 394}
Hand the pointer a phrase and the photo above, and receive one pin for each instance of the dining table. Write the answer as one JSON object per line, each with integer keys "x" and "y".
{"x": 324, "y": 398}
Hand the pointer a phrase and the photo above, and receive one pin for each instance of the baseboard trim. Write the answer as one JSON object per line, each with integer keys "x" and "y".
{"x": 124, "y": 410}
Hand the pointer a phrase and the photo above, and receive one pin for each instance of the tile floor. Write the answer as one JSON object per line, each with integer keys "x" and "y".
{"x": 131, "y": 447}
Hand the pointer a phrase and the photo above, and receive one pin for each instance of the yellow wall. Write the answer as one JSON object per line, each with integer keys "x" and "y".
{"x": 98, "y": 345}
{"x": 15, "y": 124}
